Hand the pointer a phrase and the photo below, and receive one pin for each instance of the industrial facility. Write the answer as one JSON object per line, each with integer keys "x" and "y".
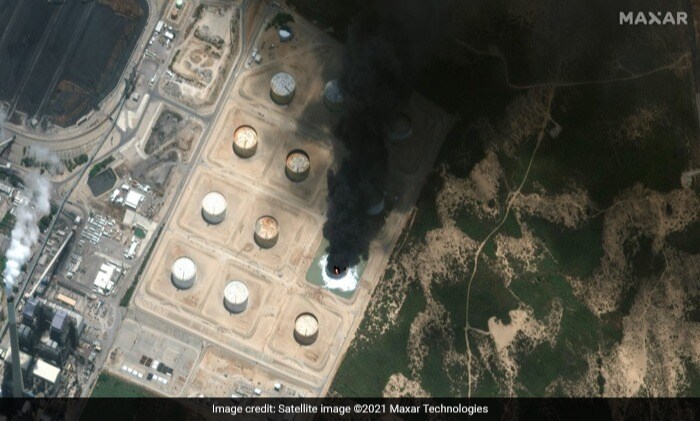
{"x": 47, "y": 336}
{"x": 225, "y": 297}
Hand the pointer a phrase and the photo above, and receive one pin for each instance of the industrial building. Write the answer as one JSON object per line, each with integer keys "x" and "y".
{"x": 47, "y": 335}
{"x": 104, "y": 283}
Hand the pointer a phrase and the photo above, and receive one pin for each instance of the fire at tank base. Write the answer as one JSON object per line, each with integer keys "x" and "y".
{"x": 343, "y": 285}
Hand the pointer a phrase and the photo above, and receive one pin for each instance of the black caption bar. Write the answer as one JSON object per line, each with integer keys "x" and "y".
{"x": 340, "y": 408}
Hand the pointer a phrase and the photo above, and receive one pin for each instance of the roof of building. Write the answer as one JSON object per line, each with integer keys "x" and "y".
{"x": 133, "y": 199}
{"x": 29, "y": 308}
{"x": 103, "y": 280}
{"x": 46, "y": 371}
{"x": 24, "y": 358}
{"x": 59, "y": 320}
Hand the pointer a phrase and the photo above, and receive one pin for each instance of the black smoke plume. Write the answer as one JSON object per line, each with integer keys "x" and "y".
{"x": 386, "y": 46}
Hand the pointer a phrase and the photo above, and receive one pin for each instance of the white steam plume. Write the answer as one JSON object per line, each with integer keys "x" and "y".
{"x": 25, "y": 233}
{"x": 43, "y": 155}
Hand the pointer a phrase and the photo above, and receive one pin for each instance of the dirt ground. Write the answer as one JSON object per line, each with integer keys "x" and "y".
{"x": 204, "y": 58}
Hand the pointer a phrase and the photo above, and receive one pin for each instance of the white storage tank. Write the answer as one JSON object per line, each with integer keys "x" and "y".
{"x": 184, "y": 273}
{"x": 236, "y": 297}
{"x": 306, "y": 329}
{"x": 245, "y": 141}
{"x": 282, "y": 88}
{"x": 214, "y": 207}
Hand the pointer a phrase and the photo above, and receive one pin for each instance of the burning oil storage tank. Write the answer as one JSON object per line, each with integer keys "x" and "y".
{"x": 214, "y": 208}
{"x": 282, "y": 88}
{"x": 267, "y": 231}
{"x": 306, "y": 329}
{"x": 245, "y": 141}
{"x": 236, "y": 297}
{"x": 184, "y": 273}
{"x": 297, "y": 165}
{"x": 333, "y": 95}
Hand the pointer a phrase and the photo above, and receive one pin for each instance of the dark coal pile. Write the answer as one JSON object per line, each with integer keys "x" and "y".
{"x": 387, "y": 45}
{"x": 60, "y": 60}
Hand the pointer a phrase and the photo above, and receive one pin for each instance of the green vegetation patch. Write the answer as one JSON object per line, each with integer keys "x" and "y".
{"x": 111, "y": 386}
{"x": 281, "y": 19}
{"x": 374, "y": 361}
{"x": 597, "y": 148}
{"x": 7, "y": 222}
{"x": 79, "y": 160}
{"x": 45, "y": 221}
{"x": 577, "y": 251}
{"x": 124, "y": 302}
{"x": 97, "y": 168}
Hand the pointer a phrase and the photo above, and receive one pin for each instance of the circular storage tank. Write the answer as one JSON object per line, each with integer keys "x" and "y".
{"x": 214, "y": 207}
{"x": 267, "y": 231}
{"x": 245, "y": 141}
{"x": 306, "y": 329}
{"x": 184, "y": 273}
{"x": 282, "y": 88}
{"x": 236, "y": 296}
{"x": 297, "y": 165}
{"x": 401, "y": 128}
{"x": 333, "y": 95}
{"x": 285, "y": 33}
{"x": 179, "y": 4}
{"x": 376, "y": 208}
